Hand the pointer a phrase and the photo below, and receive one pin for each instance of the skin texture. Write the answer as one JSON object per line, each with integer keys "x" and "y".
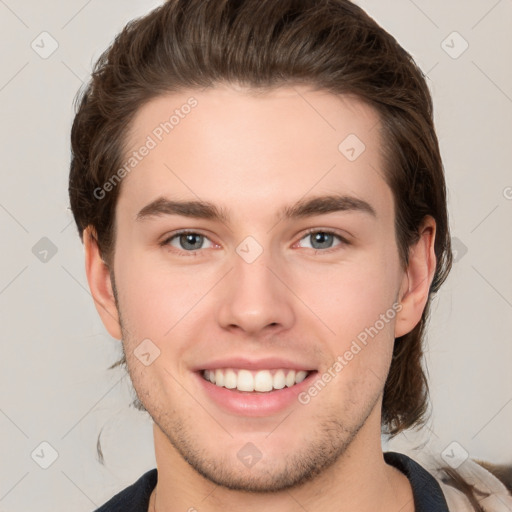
{"x": 251, "y": 155}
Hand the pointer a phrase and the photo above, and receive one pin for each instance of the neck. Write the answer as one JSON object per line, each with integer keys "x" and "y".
{"x": 359, "y": 480}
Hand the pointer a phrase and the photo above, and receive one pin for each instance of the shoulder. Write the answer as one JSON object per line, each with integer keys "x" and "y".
{"x": 427, "y": 492}
{"x": 134, "y": 498}
{"x": 469, "y": 486}
{"x": 474, "y": 486}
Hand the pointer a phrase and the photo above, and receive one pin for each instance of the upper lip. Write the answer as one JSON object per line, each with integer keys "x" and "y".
{"x": 268, "y": 363}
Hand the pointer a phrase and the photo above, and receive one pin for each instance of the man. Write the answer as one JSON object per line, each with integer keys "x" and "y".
{"x": 261, "y": 197}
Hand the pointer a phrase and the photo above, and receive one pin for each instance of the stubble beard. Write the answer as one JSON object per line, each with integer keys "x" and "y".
{"x": 330, "y": 440}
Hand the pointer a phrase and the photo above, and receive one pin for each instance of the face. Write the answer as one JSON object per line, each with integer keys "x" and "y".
{"x": 256, "y": 256}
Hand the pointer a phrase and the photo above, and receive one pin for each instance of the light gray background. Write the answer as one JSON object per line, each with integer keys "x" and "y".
{"x": 54, "y": 383}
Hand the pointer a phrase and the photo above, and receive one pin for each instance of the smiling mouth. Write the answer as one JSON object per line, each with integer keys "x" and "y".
{"x": 262, "y": 381}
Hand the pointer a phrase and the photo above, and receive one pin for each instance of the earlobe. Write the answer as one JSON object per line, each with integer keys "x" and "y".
{"x": 98, "y": 277}
{"x": 415, "y": 286}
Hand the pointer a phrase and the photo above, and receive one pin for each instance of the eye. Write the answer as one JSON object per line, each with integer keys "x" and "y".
{"x": 188, "y": 241}
{"x": 322, "y": 239}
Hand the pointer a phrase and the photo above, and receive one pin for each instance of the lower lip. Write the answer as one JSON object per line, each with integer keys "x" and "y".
{"x": 254, "y": 403}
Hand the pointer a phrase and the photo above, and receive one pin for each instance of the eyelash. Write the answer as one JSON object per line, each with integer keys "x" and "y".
{"x": 165, "y": 243}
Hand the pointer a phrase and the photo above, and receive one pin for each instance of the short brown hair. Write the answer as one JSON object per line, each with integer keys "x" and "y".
{"x": 332, "y": 45}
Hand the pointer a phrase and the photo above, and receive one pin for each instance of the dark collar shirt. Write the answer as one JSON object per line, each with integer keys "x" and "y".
{"x": 428, "y": 496}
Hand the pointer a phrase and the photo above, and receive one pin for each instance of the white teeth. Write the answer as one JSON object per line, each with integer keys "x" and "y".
{"x": 245, "y": 381}
{"x": 262, "y": 381}
{"x": 279, "y": 380}
{"x": 301, "y": 375}
{"x": 219, "y": 378}
{"x": 230, "y": 379}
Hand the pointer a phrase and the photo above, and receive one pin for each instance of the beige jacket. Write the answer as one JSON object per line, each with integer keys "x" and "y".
{"x": 484, "y": 492}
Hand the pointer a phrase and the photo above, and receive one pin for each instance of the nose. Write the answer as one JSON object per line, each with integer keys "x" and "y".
{"x": 255, "y": 298}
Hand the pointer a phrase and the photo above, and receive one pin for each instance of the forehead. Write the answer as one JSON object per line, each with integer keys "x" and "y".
{"x": 243, "y": 149}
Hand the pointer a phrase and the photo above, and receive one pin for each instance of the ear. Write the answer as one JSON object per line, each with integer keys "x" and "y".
{"x": 98, "y": 276}
{"x": 417, "y": 279}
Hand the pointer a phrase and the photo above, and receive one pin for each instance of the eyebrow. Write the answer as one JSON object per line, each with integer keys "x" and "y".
{"x": 303, "y": 208}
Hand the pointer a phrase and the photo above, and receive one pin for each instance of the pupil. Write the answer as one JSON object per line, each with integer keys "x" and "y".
{"x": 191, "y": 241}
{"x": 322, "y": 239}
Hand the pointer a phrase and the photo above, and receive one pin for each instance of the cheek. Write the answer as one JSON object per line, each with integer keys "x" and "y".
{"x": 156, "y": 299}
{"x": 352, "y": 296}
